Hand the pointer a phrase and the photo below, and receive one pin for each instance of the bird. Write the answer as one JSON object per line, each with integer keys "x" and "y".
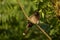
{"x": 35, "y": 20}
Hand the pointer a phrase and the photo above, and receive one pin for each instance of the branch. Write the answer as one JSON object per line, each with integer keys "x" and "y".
{"x": 44, "y": 32}
{"x": 32, "y": 22}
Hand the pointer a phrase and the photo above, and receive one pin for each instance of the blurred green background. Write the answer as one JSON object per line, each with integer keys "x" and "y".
{"x": 13, "y": 21}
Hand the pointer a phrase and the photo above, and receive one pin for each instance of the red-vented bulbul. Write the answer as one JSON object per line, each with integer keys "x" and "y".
{"x": 34, "y": 18}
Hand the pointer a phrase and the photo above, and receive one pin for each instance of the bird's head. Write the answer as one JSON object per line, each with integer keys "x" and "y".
{"x": 36, "y": 13}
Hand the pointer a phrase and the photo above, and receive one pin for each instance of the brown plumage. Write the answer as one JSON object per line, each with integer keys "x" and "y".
{"x": 34, "y": 18}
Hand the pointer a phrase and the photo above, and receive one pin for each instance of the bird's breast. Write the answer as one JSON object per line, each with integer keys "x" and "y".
{"x": 34, "y": 20}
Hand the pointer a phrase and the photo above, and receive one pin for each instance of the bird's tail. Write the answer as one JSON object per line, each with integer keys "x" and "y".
{"x": 29, "y": 25}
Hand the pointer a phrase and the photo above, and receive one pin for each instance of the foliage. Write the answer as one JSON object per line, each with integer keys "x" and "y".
{"x": 13, "y": 21}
